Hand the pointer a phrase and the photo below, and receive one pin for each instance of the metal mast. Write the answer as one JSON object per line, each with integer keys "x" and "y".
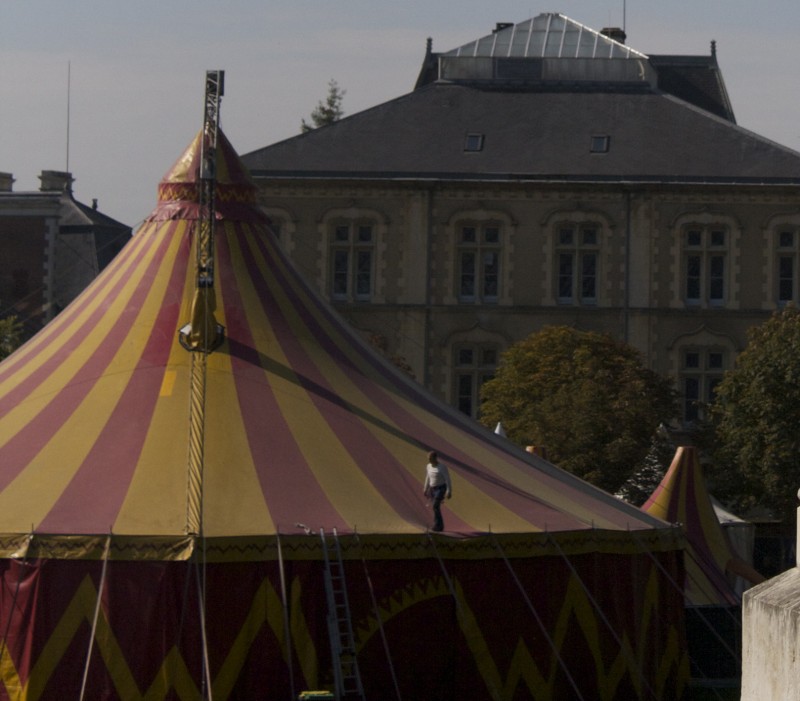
{"x": 202, "y": 334}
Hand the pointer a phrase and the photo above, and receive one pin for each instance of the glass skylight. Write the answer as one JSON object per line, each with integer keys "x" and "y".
{"x": 549, "y": 35}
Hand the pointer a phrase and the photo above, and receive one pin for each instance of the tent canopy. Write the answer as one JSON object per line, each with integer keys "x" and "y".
{"x": 682, "y": 497}
{"x": 300, "y": 424}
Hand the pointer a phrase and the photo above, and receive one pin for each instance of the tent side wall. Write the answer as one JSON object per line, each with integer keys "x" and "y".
{"x": 549, "y": 625}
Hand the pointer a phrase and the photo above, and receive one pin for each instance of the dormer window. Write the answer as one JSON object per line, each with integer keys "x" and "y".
{"x": 473, "y": 142}
{"x": 600, "y": 143}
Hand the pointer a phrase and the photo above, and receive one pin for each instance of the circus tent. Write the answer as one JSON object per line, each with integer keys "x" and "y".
{"x": 712, "y": 562}
{"x": 715, "y": 572}
{"x": 171, "y": 515}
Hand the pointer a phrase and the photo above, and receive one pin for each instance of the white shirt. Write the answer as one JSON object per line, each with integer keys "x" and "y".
{"x": 436, "y": 476}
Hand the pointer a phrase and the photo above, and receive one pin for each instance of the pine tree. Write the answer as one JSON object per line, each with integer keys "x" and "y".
{"x": 326, "y": 112}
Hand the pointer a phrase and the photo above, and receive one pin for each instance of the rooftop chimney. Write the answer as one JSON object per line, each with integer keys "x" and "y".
{"x": 6, "y": 182}
{"x": 615, "y": 33}
{"x": 56, "y": 181}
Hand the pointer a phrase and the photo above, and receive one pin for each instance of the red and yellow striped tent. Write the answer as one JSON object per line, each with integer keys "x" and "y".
{"x": 162, "y": 509}
{"x": 712, "y": 564}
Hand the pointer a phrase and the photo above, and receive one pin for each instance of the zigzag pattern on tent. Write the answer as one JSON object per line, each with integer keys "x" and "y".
{"x": 266, "y": 610}
{"x": 188, "y": 192}
{"x": 173, "y": 674}
{"x": 523, "y": 668}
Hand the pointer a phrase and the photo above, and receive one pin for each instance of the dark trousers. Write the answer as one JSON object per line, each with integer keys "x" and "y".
{"x": 437, "y": 495}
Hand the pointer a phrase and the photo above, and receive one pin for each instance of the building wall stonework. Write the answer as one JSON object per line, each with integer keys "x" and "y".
{"x": 680, "y": 272}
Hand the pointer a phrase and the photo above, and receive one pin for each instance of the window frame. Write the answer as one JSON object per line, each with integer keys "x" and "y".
{"x": 473, "y": 142}
{"x": 599, "y": 143}
{"x": 790, "y": 252}
{"x": 352, "y": 250}
{"x": 470, "y": 375}
{"x": 705, "y": 371}
{"x": 705, "y": 253}
{"x": 579, "y": 245}
{"x": 480, "y": 281}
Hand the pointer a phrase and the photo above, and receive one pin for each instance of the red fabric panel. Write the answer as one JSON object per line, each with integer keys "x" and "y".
{"x": 24, "y": 445}
{"x": 78, "y": 510}
{"x": 439, "y": 647}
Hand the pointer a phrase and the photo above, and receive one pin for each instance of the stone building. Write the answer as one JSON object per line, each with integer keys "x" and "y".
{"x": 545, "y": 173}
{"x": 51, "y": 246}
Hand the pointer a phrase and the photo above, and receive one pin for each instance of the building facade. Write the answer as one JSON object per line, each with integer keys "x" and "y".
{"x": 544, "y": 174}
{"x": 52, "y": 246}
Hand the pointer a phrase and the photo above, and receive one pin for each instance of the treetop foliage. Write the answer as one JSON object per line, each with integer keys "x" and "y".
{"x": 327, "y": 111}
{"x": 755, "y": 443}
{"x": 10, "y": 335}
{"x": 584, "y": 396}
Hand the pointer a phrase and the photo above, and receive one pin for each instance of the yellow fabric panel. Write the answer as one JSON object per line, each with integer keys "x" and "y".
{"x": 473, "y": 504}
{"x": 340, "y": 478}
{"x": 18, "y": 417}
{"x": 234, "y": 502}
{"x": 181, "y": 170}
{"x": 156, "y": 498}
{"x": 50, "y": 341}
{"x": 32, "y": 494}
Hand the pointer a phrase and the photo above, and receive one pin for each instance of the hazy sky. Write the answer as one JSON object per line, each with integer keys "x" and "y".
{"x": 136, "y": 71}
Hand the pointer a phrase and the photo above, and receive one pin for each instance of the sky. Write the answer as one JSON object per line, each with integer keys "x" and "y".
{"x": 113, "y": 91}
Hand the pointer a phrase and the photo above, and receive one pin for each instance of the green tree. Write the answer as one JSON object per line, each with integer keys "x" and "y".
{"x": 327, "y": 111}
{"x": 755, "y": 442}
{"x": 10, "y": 335}
{"x": 584, "y": 396}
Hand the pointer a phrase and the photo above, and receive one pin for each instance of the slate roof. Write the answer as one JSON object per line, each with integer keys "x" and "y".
{"x": 536, "y": 93}
{"x": 531, "y": 133}
{"x": 110, "y": 235}
{"x": 696, "y": 79}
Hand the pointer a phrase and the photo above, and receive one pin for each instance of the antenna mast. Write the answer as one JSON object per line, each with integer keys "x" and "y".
{"x": 69, "y": 80}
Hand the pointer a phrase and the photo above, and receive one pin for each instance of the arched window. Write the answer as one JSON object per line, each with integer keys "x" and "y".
{"x": 351, "y": 254}
{"x": 479, "y": 251}
{"x": 473, "y": 364}
{"x": 701, "y": 371}
{"x": 352, "y": 260}
{"x": 786, "y": 248}
{"x": 705, "y": 257}
{"x": 577, "y": 259}
{"x": 700, "y": 361}
{"x": 479, "y": 270}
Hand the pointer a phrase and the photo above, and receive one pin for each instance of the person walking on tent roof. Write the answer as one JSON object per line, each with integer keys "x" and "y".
{"x": 437, "y": 486}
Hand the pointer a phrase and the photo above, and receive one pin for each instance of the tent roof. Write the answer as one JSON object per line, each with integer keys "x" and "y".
{"x": 299, "y": 422}
{"x": 682, "y": 497}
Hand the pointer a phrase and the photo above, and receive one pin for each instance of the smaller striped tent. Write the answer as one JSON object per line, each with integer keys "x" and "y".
{"x": 711, "y": 561}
